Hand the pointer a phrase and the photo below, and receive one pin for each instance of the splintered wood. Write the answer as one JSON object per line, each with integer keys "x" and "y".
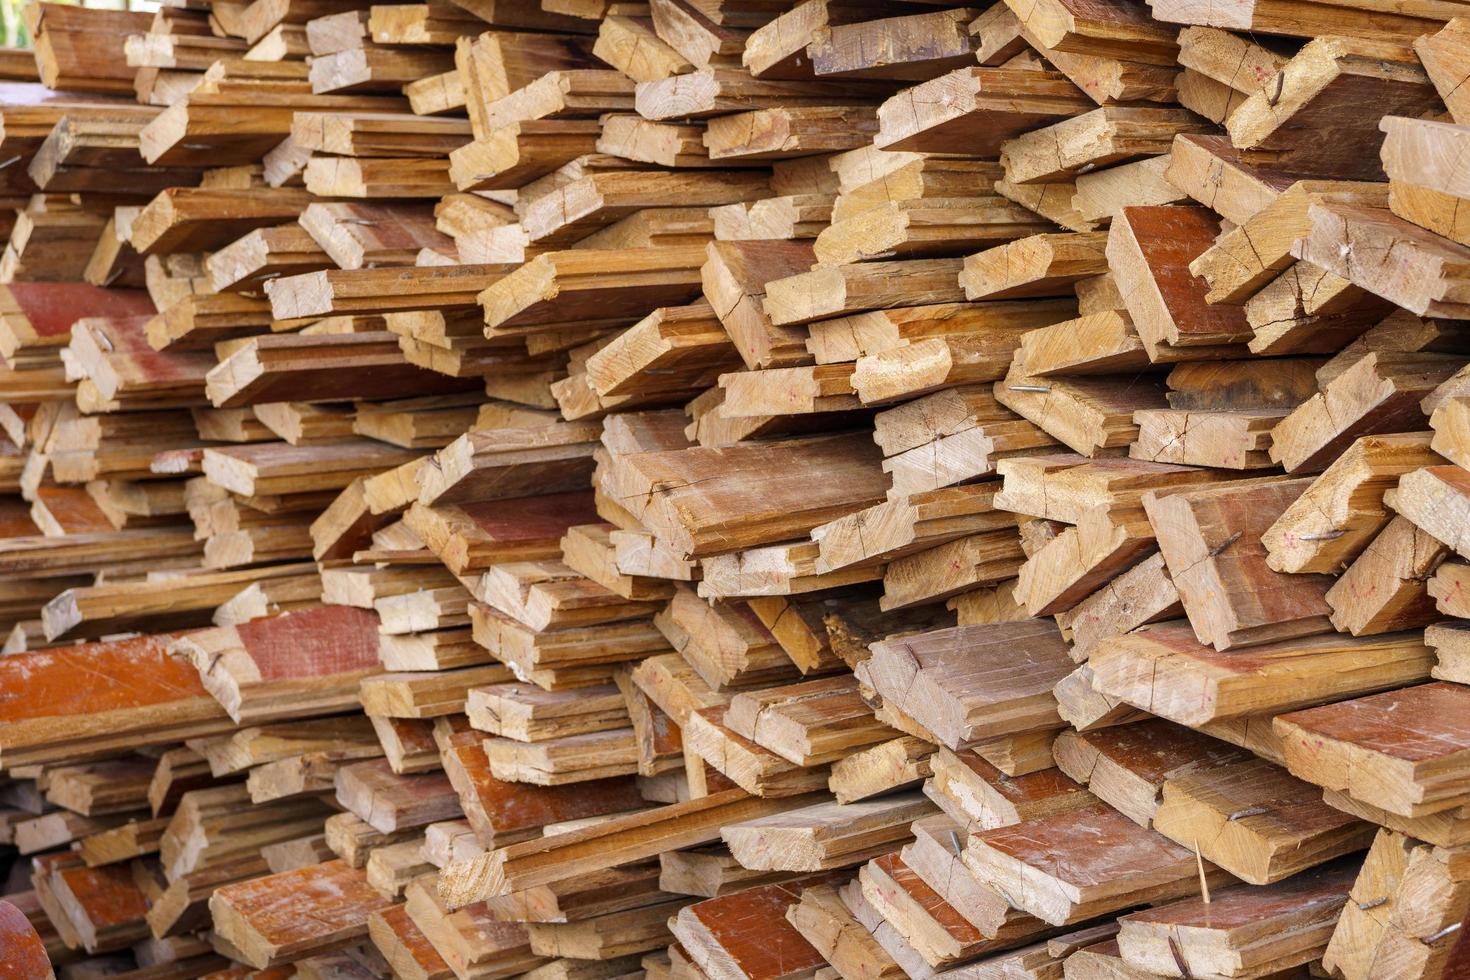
{"x": 736, "y": 490}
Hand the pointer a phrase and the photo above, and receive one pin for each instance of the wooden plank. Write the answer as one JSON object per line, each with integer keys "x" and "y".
{"x": 897, "y": 764}
{"x": 576, "y": 209}
{"x": 1082, "y": 558}
{"x": 841, "y": 290}
{"x": 811, "y": 723}
{"x": 1151, "y": 249}
{"x": 978, "y": 796}
{"x": 471, "y": 537}
{"x": 777, "y": 49}
{"x": 699, "y": 517}
{"x": 1430, "y": 498}
{"x": 83, "y": 52}
{"x": 1104, "y": 136}
{"x": 918, "y": 229}
{"x": 1342, "y": 509}
{"x": 1152, "y": 667}
{"x": 1397, "y": 564}
{"x": 62, "y": 720}
{"x": 934, "y": 855}
{"x": 1423, "y": 280}
{"x": 1211, "y": 540}
{"x": 990, "y": 693}
{"x": 502, "y": 813}
{"x": 516, "y": 153}
{"x": 388, "y": 802}
{"x": 507, "y": 462}
{"x": 1099, "y": 343}
{"x": 715, "y": 91}
{"x": 1379, "y": 393}
{"x": 184, "y": 219}
{"x": 324, "y": 367}
{"x": 1328, "y": 73}
{"x": 746, "y": 934}
{"x": 1256, "y": 821}
{"x": 345, "y": 291}
{"x": 1396, "y": 751}
{"x": 296, "y": 665}
{"x": 825, "y": 922}
{"x": 1281, "y": 926}
{"x": 1064, "y": 486}
{"x": 1297, "y": 20}
{"x": 1040, "y": 265}
{"x": 558, "y": 287}
{"x": 1249, "y": 256}
{"x": 911, "y": 48}
{"x": 1446, "y": 638}
{"x": 907, "y": 525}
{"x": 616, "y": 841}
{"x": 932, "y": 927}
{"x": 1217, "y": 175}
{"x": 405, "y": 947}
{"x": 1127, "y": 766}
{"x": 735, "y": 276}
{"x": 825, "y": 835}
{"x": 708, "y": 741}
{"x": 1122, "y": 864}
{"x": 1439, "y": 53}
{"x": 1395, "y": 864}
{"x": 974, "y": 110}
{"x": 1090, "y": 415}
{"x": 1143, "y": 594}
{"x": 37, "y": 317}
{"x": 263, "y": 919}
{"x": 24, "y": 950}
{"x": 355, "y": 235}
{"x": 104, "y": 907}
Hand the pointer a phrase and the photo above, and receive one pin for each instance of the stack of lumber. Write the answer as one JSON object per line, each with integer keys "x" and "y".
{"x": 736, "y": 489}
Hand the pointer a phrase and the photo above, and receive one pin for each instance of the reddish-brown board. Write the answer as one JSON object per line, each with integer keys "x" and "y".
{"x": 75, "y": 692}
{"x": 22, "y": 953}
{"x": 52, "y": 307}
{"x": 312, "y": 643}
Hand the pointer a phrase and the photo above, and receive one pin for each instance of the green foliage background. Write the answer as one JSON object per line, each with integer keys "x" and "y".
{"x": 14, "y": 25}
{"x": 16, "y": 35}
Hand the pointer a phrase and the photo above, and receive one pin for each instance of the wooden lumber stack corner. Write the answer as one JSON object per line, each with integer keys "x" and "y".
{"x": 735, "y": 490}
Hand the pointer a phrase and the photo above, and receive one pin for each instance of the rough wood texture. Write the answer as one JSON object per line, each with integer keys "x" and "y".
{"x": 711, "y": 489}
{"x": 264, "y": 919}
{"x": 1240, "y": 929}
{"x": 59, "y": 719}
{"x": 1379, "y": 393}
{"x": 1151, "y": 249}
{"x": 1256, "y": 821}
{"x": 299, "y": 664}
{"x": 992, "y": 692}
{"x": 1125, "y": 863}
{"x": 1389, "y": 750}
{"x": 974, "y": 110}
{"x": 1127, "y": 766}
{"x": 1210, "y": 539}
{"x": 619, "y": 840}
{"x": 1339, "y": 513}
{"x": 1396, "y": 868}
{"x": 1164, "y": 670}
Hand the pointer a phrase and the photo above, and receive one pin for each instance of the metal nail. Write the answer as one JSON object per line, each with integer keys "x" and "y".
{"x": 1226, "y": 543}
{"x": 1250, "y": 811}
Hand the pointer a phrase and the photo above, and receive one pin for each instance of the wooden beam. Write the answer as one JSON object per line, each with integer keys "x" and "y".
{"x": 1164, "y": 670}
{"x": 617, "y": 841}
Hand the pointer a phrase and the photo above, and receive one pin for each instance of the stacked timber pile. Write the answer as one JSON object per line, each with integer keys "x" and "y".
{"x": 736, "y": 489}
